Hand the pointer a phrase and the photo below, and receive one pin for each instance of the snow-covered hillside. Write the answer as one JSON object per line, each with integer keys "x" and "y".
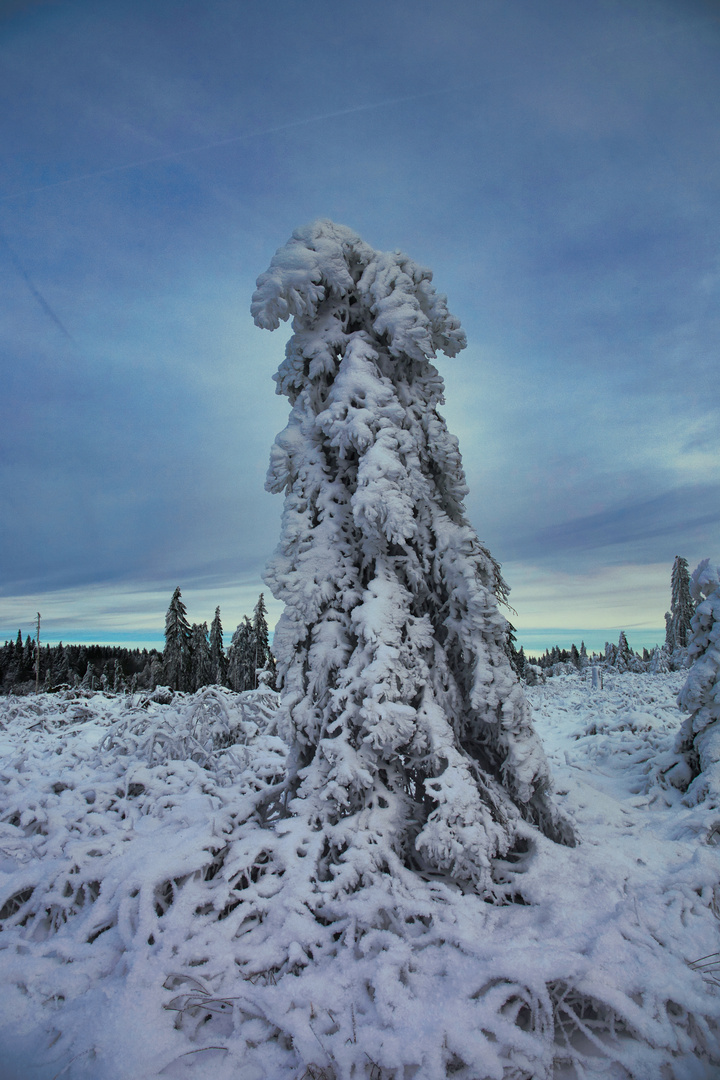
{"x": 125, "y": 827}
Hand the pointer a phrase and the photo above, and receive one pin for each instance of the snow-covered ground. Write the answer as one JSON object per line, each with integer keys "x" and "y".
{"x": 121, "y": 824}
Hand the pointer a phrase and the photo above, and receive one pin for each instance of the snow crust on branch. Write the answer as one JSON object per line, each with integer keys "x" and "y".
{"x": 324, "y": 260}
{"x": 699, "y": 738}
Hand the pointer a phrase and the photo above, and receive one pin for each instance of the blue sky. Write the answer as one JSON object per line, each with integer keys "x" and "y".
{"x": 557, "y": 165}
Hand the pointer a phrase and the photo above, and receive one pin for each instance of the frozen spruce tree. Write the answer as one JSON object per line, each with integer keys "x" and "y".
{"x": 177, "y": 655}
{"x": 218, "y": 660}
{"x": 412, "y": 743}
{"x": 241, "y": 657}
{"x": 200, "y": 657}
{"x": 261, "y": 638}
{"x": 699, "y": 741}
{"x": 681, "y": 603}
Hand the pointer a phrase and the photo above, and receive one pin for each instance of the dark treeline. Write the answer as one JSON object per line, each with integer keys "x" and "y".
{"x": 620, "y": 656}
{"x": 94, "y": 667}
{"x": 193, "y": 657}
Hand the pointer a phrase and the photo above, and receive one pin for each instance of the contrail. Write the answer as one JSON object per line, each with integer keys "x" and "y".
{"x": 171, "y": 155}
{"x": 34, "y": 290}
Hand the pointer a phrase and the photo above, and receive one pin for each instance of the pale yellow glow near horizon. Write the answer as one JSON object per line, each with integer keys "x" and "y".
{"x": 624, "y": 597}
{"x": 614, "y": 596}
{"x": 132, "y": 608}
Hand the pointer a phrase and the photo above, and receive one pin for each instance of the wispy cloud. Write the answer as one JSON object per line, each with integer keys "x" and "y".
{"x": 614, "y": 597}
{"x": 676, "y": 516}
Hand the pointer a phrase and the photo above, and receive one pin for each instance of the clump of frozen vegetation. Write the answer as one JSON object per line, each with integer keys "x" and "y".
{"x": 699, "y": 740}
{"x": 129, "y": 768}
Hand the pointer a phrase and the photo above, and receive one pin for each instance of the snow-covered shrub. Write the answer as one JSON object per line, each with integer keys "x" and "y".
{"x": 699, "y": 739}
{"x": 104, "y": 813}
{"x": 130, "y": 891}
{"x": 659, "y": 661}
{"x": 197, "y": 729}
{"x": 121, "y": 961}
{"x": 533, "y": 674}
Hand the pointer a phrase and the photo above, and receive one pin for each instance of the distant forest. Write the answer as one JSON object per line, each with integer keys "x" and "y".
{"x": 195, "y": 656}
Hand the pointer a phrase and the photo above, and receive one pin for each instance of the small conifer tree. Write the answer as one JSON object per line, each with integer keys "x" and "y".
{"x": 116, "y": 680}
{"x": 681, "y": 603}
{"x": 241, "y": 657}
{"x": 88, "y": 679}
{"x": 200, "y": 660}
{"x": 218, "y": 660}
{"x": 624, "y": 656}
{"x": 177, "y": 653}
{"x": 260, "y": 637}
{"x": 659, "y": 660}
{"x": 669, "y": 633}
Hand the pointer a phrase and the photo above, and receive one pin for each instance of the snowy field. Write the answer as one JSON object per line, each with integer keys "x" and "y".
{"x": 123, "y": 844}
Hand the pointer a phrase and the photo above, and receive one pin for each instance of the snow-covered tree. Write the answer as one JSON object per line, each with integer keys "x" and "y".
{"x": 218, "y": 660}
{"x": 659, "y": 661}
{"x": 241, "y": 658}
{"x": 118, "y": 679}
{"x": 88, "y": 679}
{"x": 200, "y": 660}
{"x": 623, "y": 654}
{"x": 699, "y": 740}
{"x": 261, "y": 637}
{"x": 669, "y": 634}
{"x": 681, "y": 604}
{"x": 177, "y": 652}
{"x": 412, "y": 742}
{"x": 156, "y": 673}
{"x": 415, "y": 775}
{"x": 60, "y": 673}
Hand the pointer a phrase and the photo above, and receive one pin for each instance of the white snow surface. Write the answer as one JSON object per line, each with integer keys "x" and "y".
{"x": 129, "y": 831}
